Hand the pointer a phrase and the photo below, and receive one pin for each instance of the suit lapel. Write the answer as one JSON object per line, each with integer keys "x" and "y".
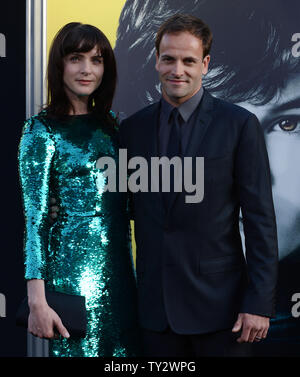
{"x": 202, "y": 123}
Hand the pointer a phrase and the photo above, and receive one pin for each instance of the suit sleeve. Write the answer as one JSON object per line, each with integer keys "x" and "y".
{"x": 36, "y": 152}
{"x": 255, "y": 193}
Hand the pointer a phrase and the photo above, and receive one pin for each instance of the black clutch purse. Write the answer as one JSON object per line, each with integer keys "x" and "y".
{"x": 70, "y": 308}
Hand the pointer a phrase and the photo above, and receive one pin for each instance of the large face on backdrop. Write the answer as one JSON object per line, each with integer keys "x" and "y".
{"x": 280, "y": 119}
{"x": 279, "y": 115}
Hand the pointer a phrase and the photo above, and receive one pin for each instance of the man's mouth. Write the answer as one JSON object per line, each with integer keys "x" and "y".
{"x": 175, "y": 81}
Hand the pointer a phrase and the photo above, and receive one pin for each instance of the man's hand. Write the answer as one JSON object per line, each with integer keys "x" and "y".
{"x": 254, "y": 327}
{"x": 53, "y": 210}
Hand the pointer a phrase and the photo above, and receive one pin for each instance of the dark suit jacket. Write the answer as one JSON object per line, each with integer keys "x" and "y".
{"x": 191, "y": 269}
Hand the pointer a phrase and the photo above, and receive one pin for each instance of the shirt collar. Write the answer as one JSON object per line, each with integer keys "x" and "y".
{"x": 186, "y": 109}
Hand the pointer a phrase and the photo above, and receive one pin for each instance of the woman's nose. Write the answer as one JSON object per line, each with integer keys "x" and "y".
{"x": 86, "y": 67}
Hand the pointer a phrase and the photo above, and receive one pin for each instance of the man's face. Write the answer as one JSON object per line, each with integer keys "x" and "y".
{"x": 180, "y": 66}
{"x": 280, "y": 120}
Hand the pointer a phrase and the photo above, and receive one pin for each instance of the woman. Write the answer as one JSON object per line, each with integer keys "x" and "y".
{"x": 87, "y": 251}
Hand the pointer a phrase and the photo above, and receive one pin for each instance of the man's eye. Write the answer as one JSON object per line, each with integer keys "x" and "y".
{"x": 189, "y": 61}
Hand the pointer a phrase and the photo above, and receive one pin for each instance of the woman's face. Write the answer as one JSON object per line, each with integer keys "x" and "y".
{"x": 83, "y": 73}
{"x": 280, "y": 120}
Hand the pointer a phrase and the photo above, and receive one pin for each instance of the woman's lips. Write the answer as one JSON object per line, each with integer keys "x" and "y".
{"x": 84, "y": 82}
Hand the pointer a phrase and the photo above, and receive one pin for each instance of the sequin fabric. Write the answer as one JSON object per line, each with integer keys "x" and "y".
{"x": 87, "y": 250}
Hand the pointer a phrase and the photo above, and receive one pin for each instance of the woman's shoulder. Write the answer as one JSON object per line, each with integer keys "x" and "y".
{"x": 36, "y": 132}
{"x": 38, "y": 123}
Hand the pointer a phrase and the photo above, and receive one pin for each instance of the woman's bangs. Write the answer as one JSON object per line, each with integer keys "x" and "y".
{"x": 84, "y": 43}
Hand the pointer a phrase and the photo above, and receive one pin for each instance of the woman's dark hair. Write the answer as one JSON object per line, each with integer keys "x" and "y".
{"x": 78, "y": 37}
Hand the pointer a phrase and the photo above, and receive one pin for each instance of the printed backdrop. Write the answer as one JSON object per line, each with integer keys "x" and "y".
{"x": 100, "y": 13}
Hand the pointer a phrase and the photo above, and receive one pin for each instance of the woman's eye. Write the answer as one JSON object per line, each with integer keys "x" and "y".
{"x": 287, "y": 125}
{"x": 98, "y": 61}
{"x": 74, "y": 58}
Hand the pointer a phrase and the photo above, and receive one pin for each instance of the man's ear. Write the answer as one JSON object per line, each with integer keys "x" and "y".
{"x": 205, "y": 63}
{"x": 156, "y": 60}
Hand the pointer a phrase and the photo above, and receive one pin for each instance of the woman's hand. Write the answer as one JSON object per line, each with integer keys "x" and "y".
{"x": 44, "y": 322}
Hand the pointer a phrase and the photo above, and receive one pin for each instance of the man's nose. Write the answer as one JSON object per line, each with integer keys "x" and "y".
{"x": 177, "y": 69}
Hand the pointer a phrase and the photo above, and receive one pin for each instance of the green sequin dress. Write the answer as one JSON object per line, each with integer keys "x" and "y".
{"x": 87, "y": 250}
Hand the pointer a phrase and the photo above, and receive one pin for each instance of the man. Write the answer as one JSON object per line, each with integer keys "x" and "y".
{"x": 198, "y": 296}
{"x": 255, "y": 65}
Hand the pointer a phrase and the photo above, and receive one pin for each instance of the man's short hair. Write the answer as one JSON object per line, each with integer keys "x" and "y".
{"x": 185, "y": 23}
